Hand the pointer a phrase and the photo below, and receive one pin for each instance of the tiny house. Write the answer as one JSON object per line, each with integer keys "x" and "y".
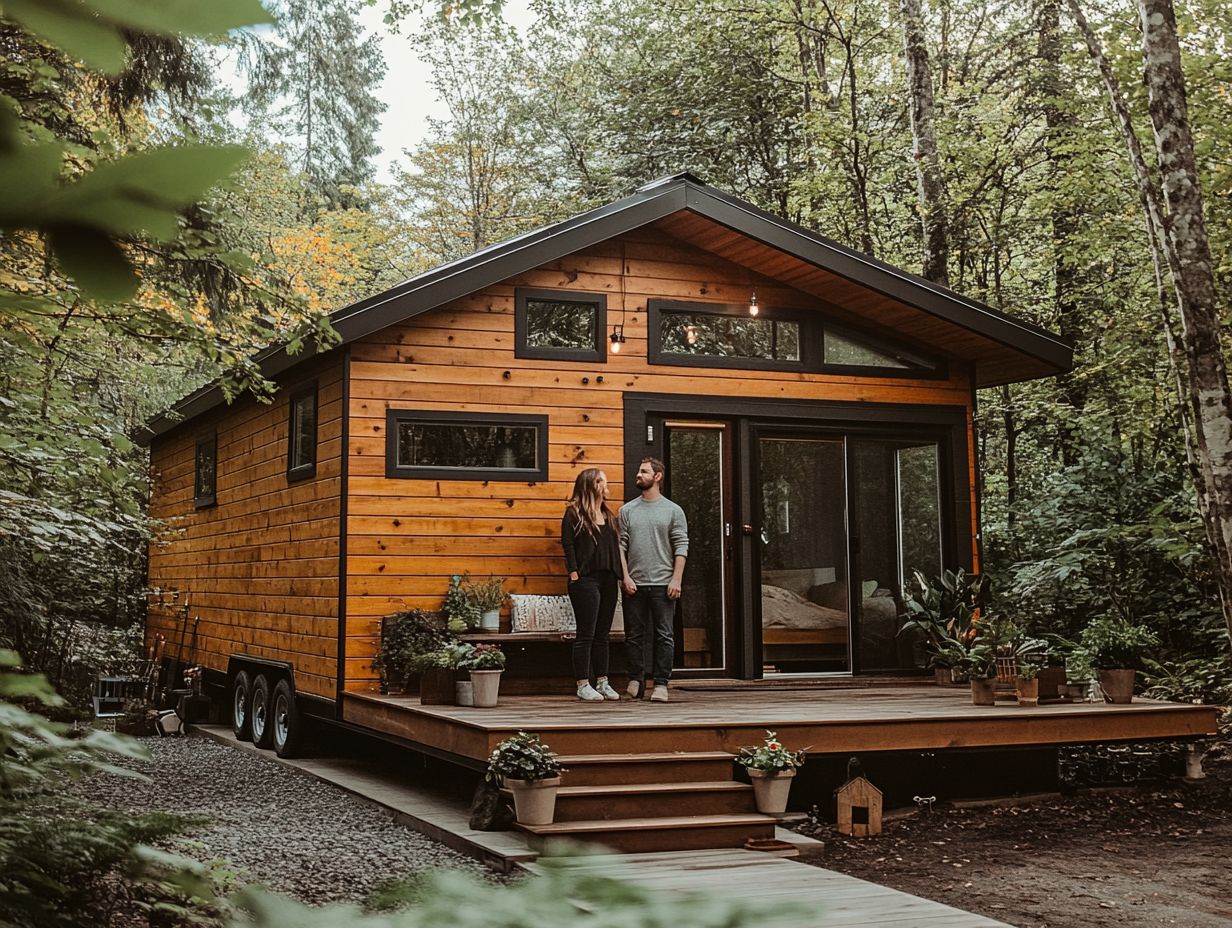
{"x": 814, "y": 408}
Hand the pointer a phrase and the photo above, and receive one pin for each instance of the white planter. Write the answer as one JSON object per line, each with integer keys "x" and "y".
{"x": 464, "y": 693}
{"x": 486, "y": 686}
{"x": 490, "y": 621}
{"x": 771, "y": 789}
{"x": 534, "y": 801}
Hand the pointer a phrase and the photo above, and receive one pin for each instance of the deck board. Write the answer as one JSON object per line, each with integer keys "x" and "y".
{"x": 829, "y": 719}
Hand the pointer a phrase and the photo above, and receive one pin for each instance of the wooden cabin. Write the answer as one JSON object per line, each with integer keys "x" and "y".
{"x": 822, "y": 449}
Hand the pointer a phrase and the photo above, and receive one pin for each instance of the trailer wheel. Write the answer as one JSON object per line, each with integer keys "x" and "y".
{"x": 241, "y": 706}
{"x": 287, "y": 723}
{"x": 262, "y": 730}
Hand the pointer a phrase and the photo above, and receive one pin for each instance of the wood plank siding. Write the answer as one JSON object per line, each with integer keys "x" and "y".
{"x": 406, "y": 537}
{"x": 261, "y": 566}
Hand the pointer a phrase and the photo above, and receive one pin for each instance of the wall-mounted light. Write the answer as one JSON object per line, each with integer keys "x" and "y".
{"x": 754, "y": 309}
{"x": 618, "y": 338}
{"x": 690, "y": 334}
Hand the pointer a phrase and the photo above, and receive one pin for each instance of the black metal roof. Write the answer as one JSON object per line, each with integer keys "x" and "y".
{"x": 654, "y": 201}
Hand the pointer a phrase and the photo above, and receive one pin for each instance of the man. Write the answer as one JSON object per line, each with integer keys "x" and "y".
{"x": 654, "y": 539}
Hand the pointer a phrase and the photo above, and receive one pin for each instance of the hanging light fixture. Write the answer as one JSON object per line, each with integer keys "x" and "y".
{"x": 754, "y": 309}
{"x": 617, "y": 338}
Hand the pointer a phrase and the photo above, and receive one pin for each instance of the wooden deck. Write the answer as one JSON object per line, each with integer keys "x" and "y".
{"x": 829, "y": 720}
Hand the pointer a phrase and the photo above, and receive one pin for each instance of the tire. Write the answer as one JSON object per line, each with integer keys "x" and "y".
{"x": 241, "y": 706}
{"x": 287, "y": 725}
{"x": 262, "y": 729}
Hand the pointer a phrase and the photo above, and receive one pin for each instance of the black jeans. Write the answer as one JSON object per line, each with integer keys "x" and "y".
{"x": 594, "y": 603}
{"x": 648, "y": 627}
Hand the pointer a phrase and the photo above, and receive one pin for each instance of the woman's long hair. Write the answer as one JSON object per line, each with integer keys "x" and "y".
{"x": 587, "y": 501}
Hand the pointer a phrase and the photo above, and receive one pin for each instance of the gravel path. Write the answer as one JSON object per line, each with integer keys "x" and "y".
{"x": 277, "y": 826}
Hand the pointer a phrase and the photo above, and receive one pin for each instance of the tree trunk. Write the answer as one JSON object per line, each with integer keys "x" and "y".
{"x": 1061, "y": 131}
{"x": 1189, "y": 249}
{"x": 924, "y": 135}
{"x": 1186, "y": 247}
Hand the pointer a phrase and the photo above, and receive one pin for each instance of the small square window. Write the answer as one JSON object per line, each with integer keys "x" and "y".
{"x": 560, "y": 325}
{"x": 205, "y": 471}
{"x": 302, "y": 434}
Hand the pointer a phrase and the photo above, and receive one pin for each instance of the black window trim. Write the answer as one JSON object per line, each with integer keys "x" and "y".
{"x": 542, "y": 353}
{"x": 812, "y": 359}
{"x": 309, "y": 470}
{"x": 204, "y": 501}
{"x": 513, "y": 475}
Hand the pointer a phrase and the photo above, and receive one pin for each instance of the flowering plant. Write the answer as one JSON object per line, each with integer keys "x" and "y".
{"x": 522, "y": 757}
{"x": 484, "y": 657}
{"x": 771, "y": 755}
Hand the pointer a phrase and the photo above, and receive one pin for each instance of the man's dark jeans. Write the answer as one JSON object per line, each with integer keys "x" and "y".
{"x": 648, "y": 628}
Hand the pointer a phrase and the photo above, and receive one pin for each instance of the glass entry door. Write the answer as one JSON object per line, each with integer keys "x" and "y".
{"x": 698, "y": 480}
{"x": 805, "y": 620}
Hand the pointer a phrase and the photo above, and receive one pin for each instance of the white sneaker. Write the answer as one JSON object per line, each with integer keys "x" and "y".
{"x": 604, "y": 689}
{"x": 659, "y": 694}
{"x": 634, "y": 689}
{"x": 587, "y": 692}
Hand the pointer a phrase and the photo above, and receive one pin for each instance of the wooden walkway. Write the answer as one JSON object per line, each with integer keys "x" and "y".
{"x": 834, "y": 900}
{"x": 832, "y": 720}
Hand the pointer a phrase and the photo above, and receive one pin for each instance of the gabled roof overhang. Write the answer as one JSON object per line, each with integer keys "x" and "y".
{"x": 1001, "y": 348}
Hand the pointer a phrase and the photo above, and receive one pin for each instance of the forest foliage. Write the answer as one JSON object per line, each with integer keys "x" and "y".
{"x": 801, "y": 106}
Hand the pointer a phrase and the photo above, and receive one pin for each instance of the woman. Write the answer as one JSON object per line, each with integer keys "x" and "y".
{"x": 592, "y": 556}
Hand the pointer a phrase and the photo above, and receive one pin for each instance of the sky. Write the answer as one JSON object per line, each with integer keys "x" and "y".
{"x": 406, "y": 90}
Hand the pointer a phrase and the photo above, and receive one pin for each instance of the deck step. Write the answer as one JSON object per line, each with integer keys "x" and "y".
{"x": 651, "y": 800}
{"x": 623, "y": 769}
{"x": 675, "y": 833}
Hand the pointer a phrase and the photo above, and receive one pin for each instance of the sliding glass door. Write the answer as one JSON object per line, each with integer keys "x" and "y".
{"x": 805, "y": 620}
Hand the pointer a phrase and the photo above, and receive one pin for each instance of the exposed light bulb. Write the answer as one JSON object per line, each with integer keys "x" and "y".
{"x": 754, "y": 309}
{"x": 617, "y": 338}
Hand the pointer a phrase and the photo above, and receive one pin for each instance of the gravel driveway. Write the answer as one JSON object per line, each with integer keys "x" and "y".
{"x": 277, "y": 826}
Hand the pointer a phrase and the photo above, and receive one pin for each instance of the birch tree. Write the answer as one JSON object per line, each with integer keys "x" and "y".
{"x": 924, "y": 135}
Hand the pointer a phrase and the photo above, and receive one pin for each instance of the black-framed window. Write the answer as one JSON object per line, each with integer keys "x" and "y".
{"x": 302, "y": 433}
{"x": 205, "y": 471}
{"x": 841, "y": 348}
{"x": 560, "y": 325}
{"x": 721, "y": 335}
{"x": 465, "y": 446}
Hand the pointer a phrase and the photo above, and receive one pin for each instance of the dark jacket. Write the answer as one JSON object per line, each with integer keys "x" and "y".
{"x": 585, "y": 552}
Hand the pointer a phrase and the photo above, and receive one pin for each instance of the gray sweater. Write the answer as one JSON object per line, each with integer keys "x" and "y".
{"x": 652, "y": 535}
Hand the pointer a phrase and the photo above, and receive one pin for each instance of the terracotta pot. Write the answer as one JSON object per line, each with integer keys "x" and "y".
{"x": 486, "y": 686}
{"x": 436, "y": 687}
{"x": 1028, "y": 692}
{"x": 984, "y": 692}
{"x": 534, "y": 801}
{"x": 1118, "y": 686}
{"x": 771, "y": 789}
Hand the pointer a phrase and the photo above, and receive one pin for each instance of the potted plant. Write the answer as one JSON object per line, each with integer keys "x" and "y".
{"x": 437, "y": 672}
{"x": 464, "y": 691}
{"x": 488, "y": 597}
{"x": 1026, "y": 684}
{"x": 979, "y": 664}
{"x": 942, "y": 610}
{"x": 485, "y": 662}
{"x": 459, "y": 607}
{"x": 1116, "y": 648}
{"x": 771, "y": 768}
{"x": 526, "y": 765}
{"x": 405, "y": 636}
